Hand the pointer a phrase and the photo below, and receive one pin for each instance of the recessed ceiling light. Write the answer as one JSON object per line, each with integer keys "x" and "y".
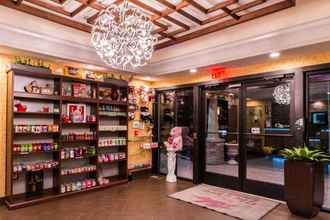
{"x": 274, "y": 55}
{"x": 193, "y": 70}
{"x": 148, "y": 78}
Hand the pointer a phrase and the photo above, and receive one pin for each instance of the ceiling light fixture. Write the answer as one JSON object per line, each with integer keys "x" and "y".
{"x": 122, "y": 36}
{"x": 193, "y": 70}
{"x": 274, "y": 55}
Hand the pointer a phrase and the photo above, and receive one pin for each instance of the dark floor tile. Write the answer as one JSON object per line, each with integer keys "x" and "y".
{"x": 142, "y": 199}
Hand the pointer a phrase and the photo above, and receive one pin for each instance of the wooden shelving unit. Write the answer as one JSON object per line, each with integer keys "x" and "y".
{"x": 20, "y": 198}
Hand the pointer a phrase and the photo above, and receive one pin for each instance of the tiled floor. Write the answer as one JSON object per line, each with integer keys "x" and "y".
{"x": 142, "y": 199}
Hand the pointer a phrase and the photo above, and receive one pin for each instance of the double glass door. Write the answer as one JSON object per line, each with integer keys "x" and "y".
{"x": 247, "y": 125}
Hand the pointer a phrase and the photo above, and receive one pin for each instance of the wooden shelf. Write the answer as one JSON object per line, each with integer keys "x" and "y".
{"x": 17, "y": 201}
{"x": 112, "y": 130}
{"x": 21, "y": 201}
{"x": 82, "y": 123}
{"x": 78, "y": 158}
{"x": 109, "y": 102}
{"x": 110, "y": 146}
{"x": 36, "y": 134}
{"x": 36, "y": 113}
{"x": 52, "y": 168}
{"x": 79, "y": 99}
{"x": 104, "y": 114}
{"x": 113, "y": 161}
{"x": 79, "y": 174}
{"x": 79, "y": 80}
{"x": 76, "y": 141}
{"x": 32, "y": 71}
{"x": 270, "y": 135}
{"x": 35, "y": 152}
{"x": 25, "y": 95}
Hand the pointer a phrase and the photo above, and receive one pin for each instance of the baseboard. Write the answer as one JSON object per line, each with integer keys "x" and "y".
{"x": 139, "y": 173}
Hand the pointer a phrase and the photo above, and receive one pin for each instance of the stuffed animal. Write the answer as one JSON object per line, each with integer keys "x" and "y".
{"x": 174, "y": 142}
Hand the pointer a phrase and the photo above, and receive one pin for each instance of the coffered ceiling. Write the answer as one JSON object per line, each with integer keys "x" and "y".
{"x": 175, "y": 21}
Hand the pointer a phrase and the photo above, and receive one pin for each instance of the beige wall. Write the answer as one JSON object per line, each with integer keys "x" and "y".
{"x": 3, "y": 106}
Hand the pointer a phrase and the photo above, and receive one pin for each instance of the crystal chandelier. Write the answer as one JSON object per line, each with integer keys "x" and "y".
{"x": 122, "y": 36}
{"x": 281, "y": 94}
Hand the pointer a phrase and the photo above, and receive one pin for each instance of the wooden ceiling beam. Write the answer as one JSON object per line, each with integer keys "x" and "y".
{"x": 173, "y": 33}
{"x": 46, "y": 15}
{"x": 92, "y": 19}
{"x": 93, "y": 5}
{"x": 236, "y": 10}
{"x": 159, "y": 13}
{"x": 230, "y": 13}
{"x": 165, "y": 35}
{"x": 177, "y": 22}
{"x": 228, "y": 23}
{"x": 178, "y": 8}
{"x": 158, "y": 30}
{"x": 82, "y": 7}
{"x": 57, "y": 9}
{"x": 197, "y": 6}
{"x": 221, "y": 5}
{"x": 160, "y": 25}
{"x": 292, "y": 2}
{"x": 61, "y": 2}
{"x": 27, "y": 6}
{"x": 17, "y": 2}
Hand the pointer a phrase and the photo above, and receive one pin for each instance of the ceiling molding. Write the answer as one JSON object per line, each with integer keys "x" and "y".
{"x": 51, "y": 46}
{"x": 249, "y": 47}
{"x": 257, "y": 45}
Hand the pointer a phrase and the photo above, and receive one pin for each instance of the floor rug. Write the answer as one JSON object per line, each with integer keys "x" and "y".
{"x": 229, "y": 202}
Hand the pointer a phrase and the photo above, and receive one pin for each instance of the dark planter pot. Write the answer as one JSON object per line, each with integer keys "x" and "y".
{"x": 304, "y": 187}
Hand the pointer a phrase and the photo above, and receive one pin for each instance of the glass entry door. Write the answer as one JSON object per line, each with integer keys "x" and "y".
{"x": 318, "y": 120}
{"x": 246, "y": 127}
{"x": 221, "y": 136}
{"x": 268, "y": 115}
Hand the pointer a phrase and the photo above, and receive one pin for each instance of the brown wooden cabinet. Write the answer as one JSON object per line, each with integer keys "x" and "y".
{"x": 33, "y": 143}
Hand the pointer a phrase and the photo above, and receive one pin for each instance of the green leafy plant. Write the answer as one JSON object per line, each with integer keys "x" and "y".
{"x": 305, "y": 154}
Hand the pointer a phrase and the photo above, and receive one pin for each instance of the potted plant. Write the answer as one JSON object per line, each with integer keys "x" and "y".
{"x": 304, "y": 180}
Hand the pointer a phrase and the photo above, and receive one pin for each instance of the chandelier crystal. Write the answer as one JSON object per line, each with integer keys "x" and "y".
{"x": 122, "y": 36}
{"x": 281, "y": 94}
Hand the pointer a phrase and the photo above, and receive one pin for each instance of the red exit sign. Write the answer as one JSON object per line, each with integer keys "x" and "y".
{"x": 217, "y": 72}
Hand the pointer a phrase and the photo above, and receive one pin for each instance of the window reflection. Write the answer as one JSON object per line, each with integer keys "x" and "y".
{"x": 222, "y": 132}
{"x": 318, "y": 121}
{"x": 176, "y": 109}
{"x": 267, "y": 130}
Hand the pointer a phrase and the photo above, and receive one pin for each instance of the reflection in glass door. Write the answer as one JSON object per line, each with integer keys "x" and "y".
{"x": 267, "y": 129}
{"x": 176, "y": 109}
{"x": 318, "y": 130}
{"x": 221, "y": 134}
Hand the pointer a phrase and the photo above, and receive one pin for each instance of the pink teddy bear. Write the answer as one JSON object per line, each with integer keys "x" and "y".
{"x": 174, "y": 142}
